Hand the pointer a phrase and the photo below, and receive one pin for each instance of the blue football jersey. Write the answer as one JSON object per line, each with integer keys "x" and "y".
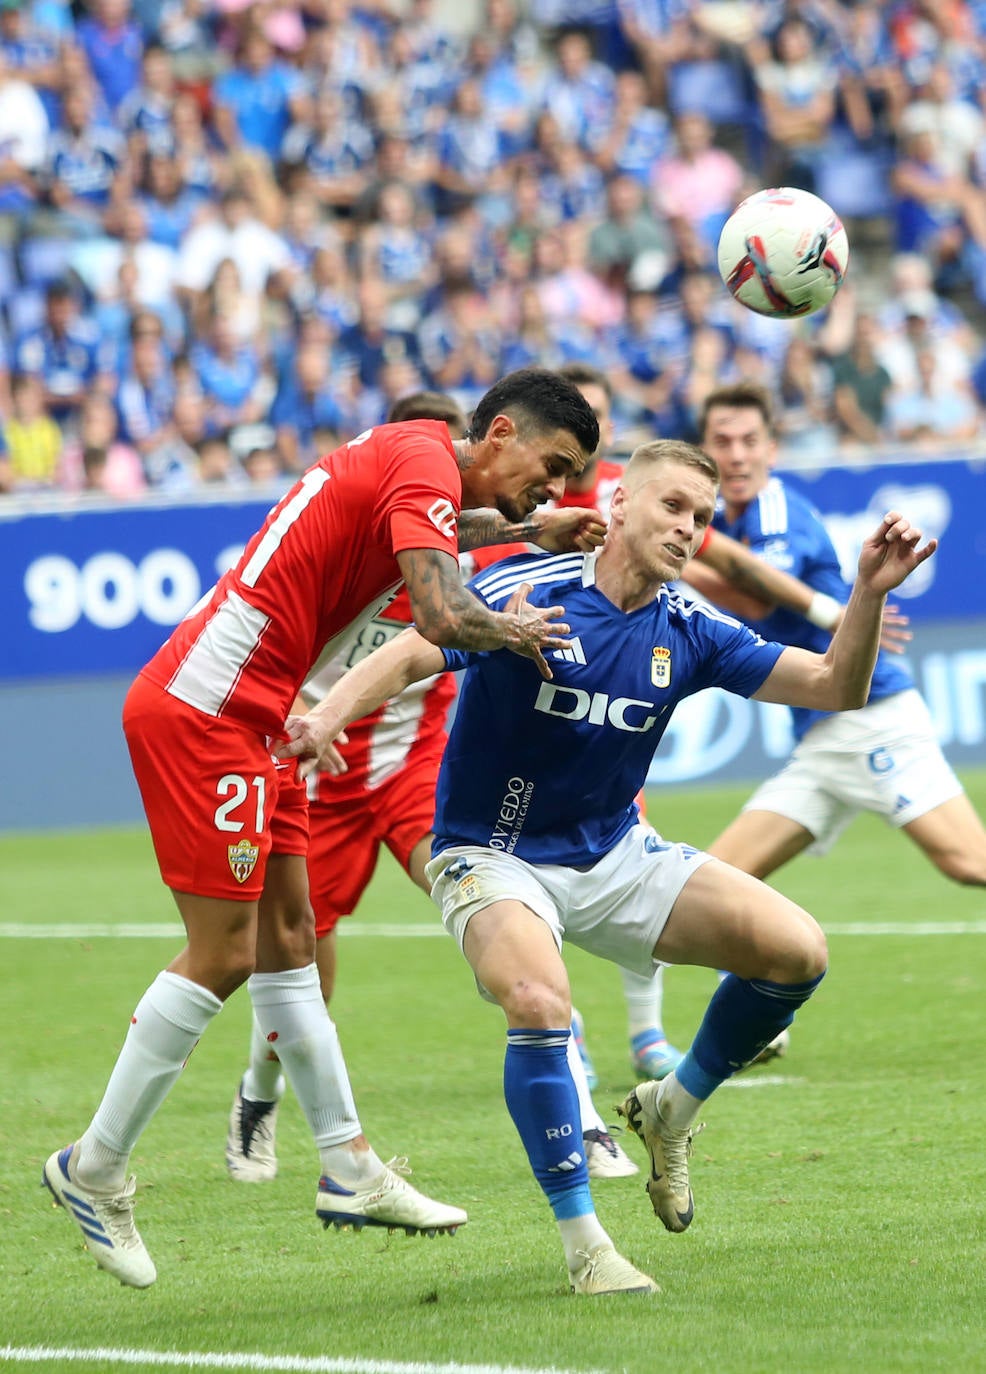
{"x": 786, "y": 530}
{"x": 549, "y": 770}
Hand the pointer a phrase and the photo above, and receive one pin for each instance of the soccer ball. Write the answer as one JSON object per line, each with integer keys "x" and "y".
{"x": 783, "y": 252}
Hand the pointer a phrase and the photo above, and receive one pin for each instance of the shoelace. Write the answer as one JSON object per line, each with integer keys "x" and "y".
{"x": 677, "y": 1151}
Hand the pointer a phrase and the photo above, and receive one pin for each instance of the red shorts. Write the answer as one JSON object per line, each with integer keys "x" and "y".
{"x": 210, "y": 790}
{"x": 345, "y": 837}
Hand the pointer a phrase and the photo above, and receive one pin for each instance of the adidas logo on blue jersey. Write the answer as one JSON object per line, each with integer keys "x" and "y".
{"x": 574, "y": 653}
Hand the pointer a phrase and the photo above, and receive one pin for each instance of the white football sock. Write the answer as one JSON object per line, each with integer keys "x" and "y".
{"x": 293, "y": 1019}
{"x": 676, "y": 1105}
{"x": 591, "y": 1120}
{"x": 581, "y": 1234}
{"x": 644, "y": 995}
{"x": 166, "y": 1026}
{"x": 263, "y": 1080}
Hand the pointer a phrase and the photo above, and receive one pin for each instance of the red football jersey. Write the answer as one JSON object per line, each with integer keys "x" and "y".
{"x": 383, "y": 742}
{"x": 320, "y": 568}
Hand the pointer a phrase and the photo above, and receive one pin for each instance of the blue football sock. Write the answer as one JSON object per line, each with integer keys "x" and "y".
{"x": 743, "y": 1017}
{"x": 542, "y": 1100}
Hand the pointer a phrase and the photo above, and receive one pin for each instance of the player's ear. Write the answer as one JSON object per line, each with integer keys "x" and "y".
{"x": 502, "y": 429}
{"x": 617, "y": 509}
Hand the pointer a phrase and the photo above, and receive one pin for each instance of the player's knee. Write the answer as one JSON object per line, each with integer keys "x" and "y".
{"x": 531, "y": 1002}
{"x": 807, "y": 956}
{"x": 964, "y": 866}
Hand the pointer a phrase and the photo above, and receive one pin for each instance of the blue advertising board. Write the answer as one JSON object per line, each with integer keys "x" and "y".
{"x": 88, "y": 591}
{"x": 98, "y": 591}
{"x": 945, "y": 500}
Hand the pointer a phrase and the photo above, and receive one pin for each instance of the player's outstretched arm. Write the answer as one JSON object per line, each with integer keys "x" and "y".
{"x": 446, "y": 612}
{"x": 572, "y": 530}
{"x": 839, "y": 679}
{"x": 375, "y": 679}
{"x": 726, "y": 567}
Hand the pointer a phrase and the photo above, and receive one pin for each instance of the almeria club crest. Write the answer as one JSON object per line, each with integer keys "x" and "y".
{"x": 242, "y": 859}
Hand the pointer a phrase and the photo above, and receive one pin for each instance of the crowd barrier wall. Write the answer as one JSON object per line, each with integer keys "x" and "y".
{"x": 89, "y": 591}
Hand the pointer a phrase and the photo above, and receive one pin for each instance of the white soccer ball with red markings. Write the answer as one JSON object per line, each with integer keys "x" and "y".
{"x": 783, "y": 252}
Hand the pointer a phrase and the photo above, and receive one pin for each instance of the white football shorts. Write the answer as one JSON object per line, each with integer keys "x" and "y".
{"x": 616, "y": 909}
{"x": 883, "y": 758}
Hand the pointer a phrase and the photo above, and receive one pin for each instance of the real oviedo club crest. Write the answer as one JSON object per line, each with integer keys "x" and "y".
{"x": 660, "y": 667}
{"x": 242, "y": 859}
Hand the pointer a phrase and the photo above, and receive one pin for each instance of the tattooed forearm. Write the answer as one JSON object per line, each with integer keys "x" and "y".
{"x": 478, "y": 528}
{"x": 445, "y": 612}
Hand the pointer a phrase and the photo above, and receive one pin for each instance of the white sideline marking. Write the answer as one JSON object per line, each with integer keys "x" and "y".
{"x": 762, "y": 1080}
{"x": 150, "y": 930}
{"x": 906, "y": 928}
{"x": 295, "y": 1364}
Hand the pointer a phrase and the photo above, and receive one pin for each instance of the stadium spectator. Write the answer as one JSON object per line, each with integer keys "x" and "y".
{"x": 638, "y": 362}
{"x": 84, "y": 160}
{"x": 65, "y": 351}
{"x": 629, "y": 238}
{"x": 696, "y": 182}
{"x": 113, "y": 45}
{"x": 660, "y": 33}
{"x": 172, "y": 462}
{"x": 30, "y": 52}
{"x": 229, "y": 373}
{"x": 194, "y": 149}
{"x": 369, "y": 343}
{"x": 796, "y": 90}
{"x": 23, "y": 143}
{"x": 396, "y": 252}
{"x": 805, "y": 422}
{"x": 569, "y": 289}
{"x": 578, "y": 88}
{"x": 469, "y": 164}
{"x": 635, "y": 135}
{"x": 353, "y": 508}
{"x": 170, "y": 207}
{"x": 98, "y": 261}
{"x": 938, "y": 408}
{"x": 257, "y": 100}
{"x": 940, "y": 214}
{"x": 511, "y": 911}
{"x": 97, "y": 461}
{"x": 871, "y": 85}
{"x": 306, "y": 404}
{"x": 861, "y": 385}
{"x": 146, "y": 397}
{"x": 331, "y": 151}
{"x": 258, "y": 252}
{"x": 32, "y": 441}
{"x": 957, "y": 126}
{"x": 145, "y": 114}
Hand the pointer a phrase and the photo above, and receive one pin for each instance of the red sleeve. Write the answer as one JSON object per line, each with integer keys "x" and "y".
{"x": 706, "y": 540}
{"x": 420, "y": 491}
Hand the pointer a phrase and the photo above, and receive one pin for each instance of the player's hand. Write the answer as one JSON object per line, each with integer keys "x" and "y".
{"x": 537, "y": 628}
{"x": 572, "y": 530}
{"x": 891, "y": 553}
{"x": 312, "y": 740}
{"x": 894, "y": 636}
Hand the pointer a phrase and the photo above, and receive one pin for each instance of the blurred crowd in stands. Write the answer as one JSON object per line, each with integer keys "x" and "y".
{"x": 232, "y": 233}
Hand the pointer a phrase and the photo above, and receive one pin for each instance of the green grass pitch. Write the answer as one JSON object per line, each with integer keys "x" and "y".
{"x": 839, "y": 1195}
